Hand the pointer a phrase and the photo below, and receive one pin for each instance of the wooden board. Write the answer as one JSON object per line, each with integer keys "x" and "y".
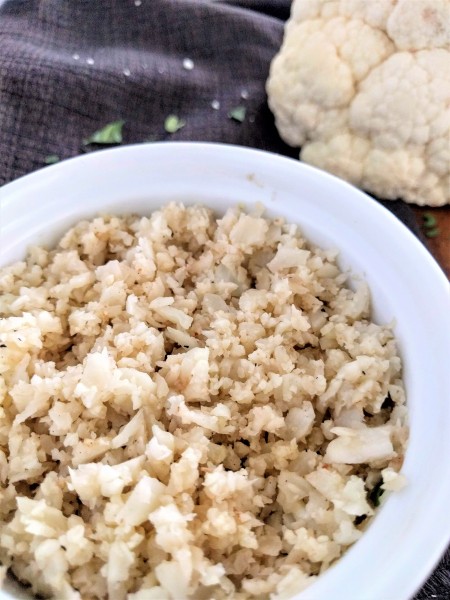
{"x": 438, "y": 246}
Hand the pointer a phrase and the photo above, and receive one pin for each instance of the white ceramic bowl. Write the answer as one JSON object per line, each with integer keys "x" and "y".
{"x": 412, "y": 529}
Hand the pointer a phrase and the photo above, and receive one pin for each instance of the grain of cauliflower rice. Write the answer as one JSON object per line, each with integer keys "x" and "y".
{"x": 191, "y": 407}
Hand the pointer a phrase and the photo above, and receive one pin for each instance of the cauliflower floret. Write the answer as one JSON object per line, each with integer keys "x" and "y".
{"x": 94, "y": 480}
{"x": 392, "y": 481}
{"x": 188, "y": 373}
{"x": 249, "y": 232}
{"x": 117, "y": 569}
{"x": 79, "y": 549}
{"x": 143, "y": 500}
{"x": 214, "y": 419}
{"x": 171, "y": 527}
{"x": 287, "y": 258}
{"x": 291, "y": 584}
{"x": 315, "y": 549}
{"x": 364, "y": 445}
{"x": 220, "y": 484}
{"x": 219, "y": 523}
{"x": 184, "y": 473}
{"x": 340, "y": 84}
{"x": 300, "y": 419}
{"x": 154, "y": 593}
{"x": 349, "y": 496}
{"x": 161, "y": 447}
{"x": 171, "y": 580}
{"x": 40, "y": 519}
{"x": 263, "y": 418}
{"x": 163, "y": 307}
{"x": 52, "y": 563}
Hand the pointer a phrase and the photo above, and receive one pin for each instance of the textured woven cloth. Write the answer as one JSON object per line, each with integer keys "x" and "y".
{"x": 69, "y": 67}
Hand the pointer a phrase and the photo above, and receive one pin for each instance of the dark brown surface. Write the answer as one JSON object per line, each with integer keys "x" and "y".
{"x": 438, "y": 246}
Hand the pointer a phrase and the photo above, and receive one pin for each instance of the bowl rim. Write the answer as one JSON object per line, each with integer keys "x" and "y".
{"x": 36, "y": 176}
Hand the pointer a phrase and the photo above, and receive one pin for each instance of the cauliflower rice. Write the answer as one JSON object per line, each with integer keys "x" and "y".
{"x": 190, "y": 407}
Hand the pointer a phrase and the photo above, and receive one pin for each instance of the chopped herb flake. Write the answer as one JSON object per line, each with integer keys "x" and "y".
{"x": 432, "y": 233}
{"x": 359, "y": 519}
{"x": 110, "y": 134}
{"x": 238, "y": 114}
{"x": 375, "y": 494}
{"x": 327, "y": 415}
{"x": 51, "y": 159}
{"x": 172, "y": 124}
{"x": 388, "y": 403}
{"x": 429, "y": 220}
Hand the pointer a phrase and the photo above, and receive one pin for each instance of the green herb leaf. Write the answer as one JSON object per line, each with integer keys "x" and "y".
{"x": 429, "y": 220}
{"x": 432, "y": 233}
{"x": 238, "y": 113}
{"x": 51, "y": 159}
{"x": 388, "y": 403}
{"x": 172, "y": 124}
{"x": 375, "y": 493}
{"x": 359, "y": 519}
{"x": 110, "y": 134}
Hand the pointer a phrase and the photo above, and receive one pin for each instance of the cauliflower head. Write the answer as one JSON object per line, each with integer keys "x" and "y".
{"x": 363, "y": 86}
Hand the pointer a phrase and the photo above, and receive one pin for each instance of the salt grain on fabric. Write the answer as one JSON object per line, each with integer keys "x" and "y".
{"x": 188, "y": 64}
